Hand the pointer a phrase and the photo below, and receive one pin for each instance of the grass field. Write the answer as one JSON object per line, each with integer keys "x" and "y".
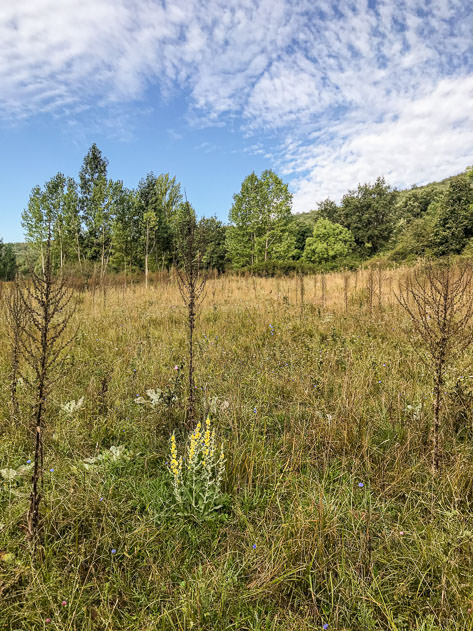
{"x": 331, "y": 513}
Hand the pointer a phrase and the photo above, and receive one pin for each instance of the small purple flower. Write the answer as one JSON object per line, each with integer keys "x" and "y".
{"x": 100, "y": 499}
{"x": 254, "y": 410}
{"x": 254, "y": 546}
{"x": 28, "y": 461}
{"x": 379, "y": 381}
{"x": 325, "y": 626}
{"x": 176, "y": 367}
{"x": 113, "y": 551}
{"x": 51, "y": 470}
{"x": 361, "y": 485}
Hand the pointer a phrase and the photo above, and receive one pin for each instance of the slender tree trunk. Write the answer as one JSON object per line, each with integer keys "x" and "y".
{"x": 436, "y": 428}
{"x": 103, "y": 255}
{"x": 146, "y": 256}
{"x": 78, "y": 251}
{"x": 35, "y": 497}
{"x": 192, "y": 315}
{"x": 42, "y": 258}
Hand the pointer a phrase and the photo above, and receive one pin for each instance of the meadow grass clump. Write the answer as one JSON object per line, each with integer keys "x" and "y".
{"x": 332, "y": 516}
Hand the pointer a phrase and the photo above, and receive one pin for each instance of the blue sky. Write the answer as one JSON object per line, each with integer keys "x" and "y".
{"x": 328, "y": 94}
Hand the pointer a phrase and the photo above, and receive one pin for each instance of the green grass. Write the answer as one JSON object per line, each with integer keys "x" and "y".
{"x": 331, "y": 392}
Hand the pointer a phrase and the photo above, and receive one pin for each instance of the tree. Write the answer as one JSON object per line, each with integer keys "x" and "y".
{"x": 7, "y": 261}
{"x": 53, "y": 202}
{"x": 191, "y": 281}
{"x": 413, "y": 204}
{"x": 167, "y": 199}
{"x": 328, "y": 209}
{"x": 275, "y": 218}
{"x": 93, "y": 193}
{"x": 33, "y": 221}
{"x": 241, "y": 235}
{"x": 303, "y": 229}
{"x": 72, "y": 222}
{"x": 211, "y": 243}
{"x": 329, "y": 242}
{"x": 368, "y": 214}
{"x": 126, "y": 230}
{"x": 158, "y": 199}
{"x": 262, "y": 228}
{"x": 45, "y": 315}
{"x": 454, "y": 226}
{"x": 439, "y": 301}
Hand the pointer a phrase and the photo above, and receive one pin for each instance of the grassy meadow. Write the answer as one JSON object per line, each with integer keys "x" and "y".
{"x": 332, "y": 517}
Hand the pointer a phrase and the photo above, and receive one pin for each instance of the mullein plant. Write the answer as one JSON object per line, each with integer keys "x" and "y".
{"x": 197, "y": 476}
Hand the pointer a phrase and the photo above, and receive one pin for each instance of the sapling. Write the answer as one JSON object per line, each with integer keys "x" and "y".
{"x": 46, "y": 306}
{"x": 191, "y": 281}
{"x": 439, "y": 301}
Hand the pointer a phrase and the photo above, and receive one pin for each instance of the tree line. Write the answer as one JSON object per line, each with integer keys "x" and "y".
{"x": 98, "y": 222}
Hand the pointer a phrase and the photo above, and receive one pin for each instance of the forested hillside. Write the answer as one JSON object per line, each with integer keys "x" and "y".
{"x": 100, "y": 223}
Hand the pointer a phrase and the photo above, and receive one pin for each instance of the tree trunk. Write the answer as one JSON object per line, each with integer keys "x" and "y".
{"x": 146, "y": 256}
{"x": 78, "y": 251}
{"x": 436, "y": 427}
{"x": 42, "y": 258}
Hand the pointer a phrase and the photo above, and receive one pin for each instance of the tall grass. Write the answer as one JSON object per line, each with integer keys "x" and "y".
{"x": 325, "y": 419}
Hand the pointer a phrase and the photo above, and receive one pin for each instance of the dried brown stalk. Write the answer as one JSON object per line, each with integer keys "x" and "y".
{"x": 439, "y": 301}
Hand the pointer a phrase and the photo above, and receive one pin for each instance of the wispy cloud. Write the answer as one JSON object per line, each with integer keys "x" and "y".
{"x": 348, "y": 90}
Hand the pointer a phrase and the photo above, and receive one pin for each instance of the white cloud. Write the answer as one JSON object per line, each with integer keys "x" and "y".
{"x": 431, "y": 137}
{"x": 350, "y": 91}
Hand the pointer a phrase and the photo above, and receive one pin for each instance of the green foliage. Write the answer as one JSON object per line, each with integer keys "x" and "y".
{"x": 8, "y": 264}
{"x": 126, "y": 231}
{"x": 94, "y": 191}
{"x": 329, "y": 242}
{"x": 261, "y": 222}
{"x": 158, "y": 198}
{"x": 211, "y": 243}
{"x": 328, "y": 209}
{"x": 303, "y": 228}
{"x": 415, "y": 240}
{"x": 101, "y": 220}
{"x": 454, "y": 225}
{"x": 368, "y": 214}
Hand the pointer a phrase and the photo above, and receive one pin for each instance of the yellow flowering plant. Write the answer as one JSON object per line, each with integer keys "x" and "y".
{"x": 197, "y": 476}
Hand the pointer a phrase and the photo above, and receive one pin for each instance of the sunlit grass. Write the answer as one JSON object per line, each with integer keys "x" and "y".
{"x": 333, "y": 517}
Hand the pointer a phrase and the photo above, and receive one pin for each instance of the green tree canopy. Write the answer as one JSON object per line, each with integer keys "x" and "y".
{"x": 7, "y": 261}
{"x": 211, "y": 240}
{"x": 94, "y": 189}
{"x": 454, "y": 226}
{"x": 368, "y": 214}
{"x": 329, "y": 242}
{"x": 328, "y": 209}
{"x": 261, "y": 221}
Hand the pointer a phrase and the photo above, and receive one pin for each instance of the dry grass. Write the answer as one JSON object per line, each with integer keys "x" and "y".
{"x": 341, "y": 399}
